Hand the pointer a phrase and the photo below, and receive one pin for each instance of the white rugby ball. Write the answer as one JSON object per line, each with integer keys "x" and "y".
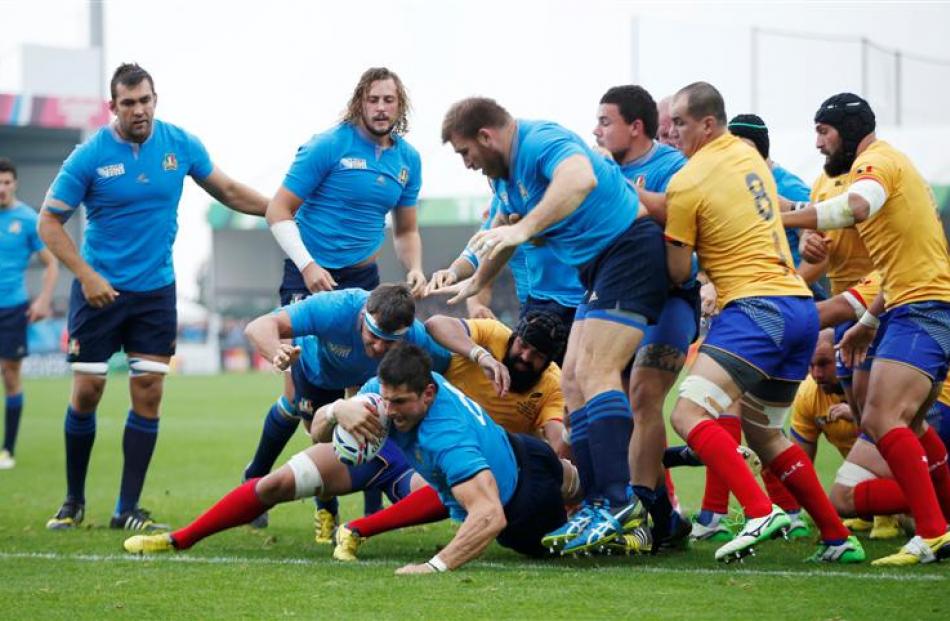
{"x": 353, "y": 453}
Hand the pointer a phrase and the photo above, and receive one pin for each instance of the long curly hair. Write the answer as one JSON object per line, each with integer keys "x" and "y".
{"x": 354, "y": 109}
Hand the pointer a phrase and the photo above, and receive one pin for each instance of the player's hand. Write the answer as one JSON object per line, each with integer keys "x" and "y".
{"x": 317, "y": 279}
{"x": 441, "y": 279}
{"x": 417, "y": 283}
{"x": 463, "y": 290}
{"x": 496, "y": 372}
{"x": 287, "y": 354}
{"x": 39, "y": 309}
{"x": 854, "y": 345}
{"x": 840, "y": 411}
{"x": 409, "y": 570}
{"x": 97, "y": 290}
{"x": 814, "y": 246}
{"x": 477, "y": 310}
{"x": 708, "y": 299}
{"x": 360, "y": 419}
{"x": 490, "y": 243}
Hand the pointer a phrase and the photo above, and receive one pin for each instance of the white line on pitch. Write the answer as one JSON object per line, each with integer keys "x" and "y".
{"x": 238, "y": 560}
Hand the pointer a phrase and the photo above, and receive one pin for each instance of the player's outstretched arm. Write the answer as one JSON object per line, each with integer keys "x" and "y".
{"x": 408, "y": 246}
{"x": 233, "y": 194}
{"x": 485, "y": 520}
{"x": 96, "y": 289}
{"x": 460, "y": 269}
{"x": 450, "y": 333}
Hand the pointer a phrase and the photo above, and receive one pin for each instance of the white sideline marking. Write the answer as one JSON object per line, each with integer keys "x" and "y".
{"x": 540, "y": 566}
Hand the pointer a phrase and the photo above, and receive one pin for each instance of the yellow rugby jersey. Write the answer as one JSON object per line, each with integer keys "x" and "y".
{"x": 867, "y": 288}
{"x": 944, "y": 396}
{"x": 809, "y": 414}
{"x": 723, "y": 202}
{"x": 848, "y": 259}
{"x": 517, "y": 412}
{"x": 905, "y": 238}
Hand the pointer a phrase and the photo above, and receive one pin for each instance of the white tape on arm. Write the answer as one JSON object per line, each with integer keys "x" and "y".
{"x": 288, "y": 238}
{"x": 834, "y": 213}
{"x": 871, "y": 191}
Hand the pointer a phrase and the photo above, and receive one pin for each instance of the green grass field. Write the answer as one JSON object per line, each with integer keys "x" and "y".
{"x": 209, "y": 430}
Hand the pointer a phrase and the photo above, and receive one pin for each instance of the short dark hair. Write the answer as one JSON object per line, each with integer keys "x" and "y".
{"x": 702, "y": 100}
{"x": 354, "y": 108}
{"x": 467, "y": 116}
{"x": 634, "y": 102}
{"x": 129, "y": 75}
{"x": 6, "y": 166}
{"x": 392, "y": 306}
{"x": 406, "y": 364}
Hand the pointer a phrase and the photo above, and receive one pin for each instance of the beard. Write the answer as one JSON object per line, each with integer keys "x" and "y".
{"x": 522, "y": 376}
{"x": 367, "y": 123}
{"x": 839, "y": 162}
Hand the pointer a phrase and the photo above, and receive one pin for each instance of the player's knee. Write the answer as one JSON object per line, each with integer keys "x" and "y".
{"x": 278, "y": 486}
{"x": 842, "y": 498}
{"x": 646, "y": 399}
{"x": 307, "y": 480}
{"x": 87, "y": 391}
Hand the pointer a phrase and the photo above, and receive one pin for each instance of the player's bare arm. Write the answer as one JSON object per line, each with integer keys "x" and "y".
{"x": 408, "y": 246}
{"x": 41, "y": 307}
{"x": 234, "y": 194}
{"x": 451, "y": 334}
{"x": 679, "y": 262}
{"x": 280, "y": 217}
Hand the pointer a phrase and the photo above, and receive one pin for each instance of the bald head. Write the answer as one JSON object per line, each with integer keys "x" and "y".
{"x": 702, "y": 100}
{"x": 664, "y": 120}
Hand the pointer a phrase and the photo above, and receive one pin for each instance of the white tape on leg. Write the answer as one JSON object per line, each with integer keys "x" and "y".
{"x": 849, "y": 474}
{"x": 141, "y": 366}
{"x": 307, "y": 479}
{"x": 90, "y": 368}
{"x": 705, "y": 394}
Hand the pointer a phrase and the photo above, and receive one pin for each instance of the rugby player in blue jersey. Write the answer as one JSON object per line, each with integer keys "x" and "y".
{"x": 129, "y": 176}
{"x": 581, "y": 206}
{"x": 339, "y": 338}
{"x": 329, "y": 218}
{"x": 18, "y": 242}
{"x": 627, "y": 122}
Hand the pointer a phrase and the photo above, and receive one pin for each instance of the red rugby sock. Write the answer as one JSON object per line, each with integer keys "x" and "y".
{"x": 420, "y": 507}
{"x": 718, "y": 451}
{"x": 879, "y": 497}
{"x": 239, "y": 506}
{"x": 716, "y": 494}
{"x": 796, "y": 473}
{"x": 908, "y": 462}
{"x": 939, "y": 472}
{"x": 779, "y": 493}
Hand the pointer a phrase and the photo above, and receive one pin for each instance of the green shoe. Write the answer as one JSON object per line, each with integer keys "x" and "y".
{"x": 755, "y": 531}
{"x": 848, "y": 552}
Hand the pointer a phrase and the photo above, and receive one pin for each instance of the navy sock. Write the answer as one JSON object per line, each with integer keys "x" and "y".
{"x": 80, "y": 431}
{"x": 14, "y": 408}
{"x": 138, "y": 444}
{"x": 279, "y": 427}
{"x": 676, "y": 456}
{"x": 332, "y": 505}
{"x": 609, "y": 428}
{"x": 372, "y": 500}
{"x": 580, "y": 447}
{"x": 657, "y": 504}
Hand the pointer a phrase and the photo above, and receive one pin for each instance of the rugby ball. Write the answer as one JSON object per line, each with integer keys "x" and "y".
{"x": 351, "y": 452}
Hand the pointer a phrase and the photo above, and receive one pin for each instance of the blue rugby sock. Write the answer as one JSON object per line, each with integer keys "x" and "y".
{"x": 138, "y": 444}
{"x": 580, "y": 447}
{"x": 372, "y": 501}
{"x": 14, "y": 407}
{"x": 279, "y": 427}
{"x": 657, "y": 504}
{"x": 609, "y": 428}
{"x": 80, "y": 432}
{"x": 332, "y": 505}
{"x": 681, "y": 455}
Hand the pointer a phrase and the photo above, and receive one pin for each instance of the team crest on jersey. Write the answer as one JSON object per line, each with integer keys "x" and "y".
{"x": 341, "y": 351}
{"x": 15, "y": 227}
{"x": 522, "y": 191}
{"x": 73, "y": 347}
{"x": 404, "y": 176}
{"x": 353, "y": 163}
{"x": 111, "y": 170}
{"x": 169, "y": 162}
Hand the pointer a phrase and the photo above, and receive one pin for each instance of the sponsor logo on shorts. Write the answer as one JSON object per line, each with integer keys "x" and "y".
{"x": 305, "y": 406}
{"x": 111, "y": 170}
{"x": 170, "y": 162}
{"x": 73, "y": 348}
{"x": 353, "y": 163}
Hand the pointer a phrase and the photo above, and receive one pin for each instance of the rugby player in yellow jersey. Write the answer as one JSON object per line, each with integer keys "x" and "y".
{"x": 511, "y": 375}
{"x": 894, "y": 211}
{"x": 724, "y": 204}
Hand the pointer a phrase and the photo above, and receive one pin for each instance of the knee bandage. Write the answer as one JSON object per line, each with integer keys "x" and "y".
{"x": 307, "y": 479}
{"x": 849, "y": 474}
{"x": 705, "y": 394}
{"x": 91, "y": 368}
{"x": 775, "y": 414}
{"x": 141, "y": 366}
